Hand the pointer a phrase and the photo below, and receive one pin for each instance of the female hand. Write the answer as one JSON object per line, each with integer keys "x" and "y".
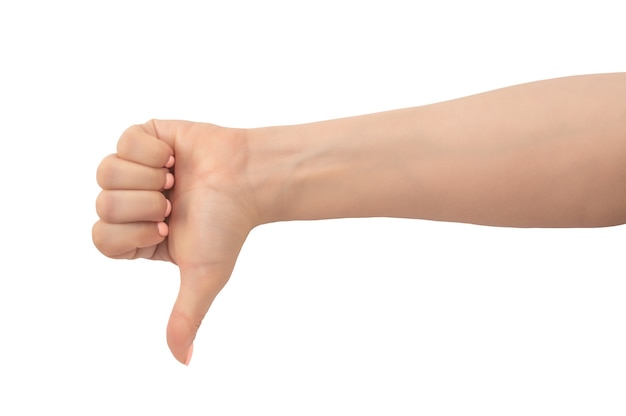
{"x": 198, "y": 221}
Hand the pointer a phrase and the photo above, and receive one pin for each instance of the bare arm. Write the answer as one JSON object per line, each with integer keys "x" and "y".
{"x": 545, "y": 154}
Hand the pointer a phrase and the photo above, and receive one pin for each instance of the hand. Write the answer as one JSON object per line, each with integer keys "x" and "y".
{"x": 208, "y": 199}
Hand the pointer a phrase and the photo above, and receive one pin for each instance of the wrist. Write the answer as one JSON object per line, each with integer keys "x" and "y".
{"x": 339, "y": 168}
{"x": 274, "y": 169}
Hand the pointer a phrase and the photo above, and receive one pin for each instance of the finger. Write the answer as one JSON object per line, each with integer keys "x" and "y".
{"x": 116, "y": 173}
{"x": 132, "y": 206}
{"x": 139, "y": 146}
{"x": 198, "y": 289}
{"x": 126, "y": 241}
{"x": 167, "y": 130}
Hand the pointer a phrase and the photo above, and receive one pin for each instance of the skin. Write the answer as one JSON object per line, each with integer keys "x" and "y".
{"x": 543, "y": 154}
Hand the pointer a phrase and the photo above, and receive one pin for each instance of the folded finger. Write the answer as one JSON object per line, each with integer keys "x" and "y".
{"x": 122, "y": 206}
{"x": 137, "y": 145}
{"x": 116, "y": 173}
{"x": 127, "y": 241}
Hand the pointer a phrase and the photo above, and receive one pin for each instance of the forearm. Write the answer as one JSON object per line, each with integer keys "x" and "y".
{"x": 545, "y": 154}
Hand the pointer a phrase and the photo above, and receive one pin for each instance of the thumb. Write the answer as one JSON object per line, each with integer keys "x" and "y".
{"x": 169, "y": 130}
{"x": 199, "y": 287}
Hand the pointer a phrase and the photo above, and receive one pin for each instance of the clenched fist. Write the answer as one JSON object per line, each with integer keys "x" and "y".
{"x": 178, "y": 191}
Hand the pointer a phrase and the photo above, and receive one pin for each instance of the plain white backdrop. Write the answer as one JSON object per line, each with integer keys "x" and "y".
{"x": 369, "y": 316}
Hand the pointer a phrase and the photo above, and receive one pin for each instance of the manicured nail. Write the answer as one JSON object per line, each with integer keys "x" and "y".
{"x": 170, "y": 162}
{"x": 163, "y": 229}
{"x": 169, "y": 181}
{"x": 168, "y": 208}
{"x": 189, "y": 354}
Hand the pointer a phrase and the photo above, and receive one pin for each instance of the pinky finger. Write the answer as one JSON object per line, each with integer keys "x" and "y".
{"x": 128, "y": 241}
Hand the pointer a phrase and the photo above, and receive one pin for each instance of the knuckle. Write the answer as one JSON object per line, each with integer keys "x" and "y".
{"x": 125, "y": 144}
{"x": 135, "y": 145}
{"x": 98, "y": 236}
{"x": 105, "y": 207}
{"x": 105, "y": 174}
{"x": 107, "y": 244}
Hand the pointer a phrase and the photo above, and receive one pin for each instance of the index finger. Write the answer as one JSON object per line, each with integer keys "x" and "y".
{"x": 139, "y": 146}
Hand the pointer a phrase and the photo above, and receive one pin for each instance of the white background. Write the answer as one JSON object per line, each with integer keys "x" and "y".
{"x": 331, "y": 317}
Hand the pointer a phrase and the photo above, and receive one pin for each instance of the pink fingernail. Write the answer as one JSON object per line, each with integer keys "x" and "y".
{"x": 169, "y": 181}
{"x": 163, "y": 229}
{"x": 170, "y": 162}
{"x": 168, "y": 209}
{"x": 189, "y": 354}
